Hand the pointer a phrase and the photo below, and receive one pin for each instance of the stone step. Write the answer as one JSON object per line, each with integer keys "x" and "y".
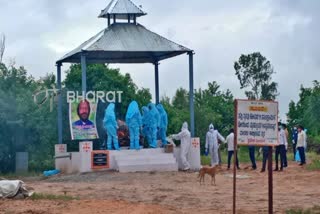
{"x": 149, "y": 167}
{"x": 145, "y": 157}
{"x": 141, "y": 151}
{"x": 145, "y": 161}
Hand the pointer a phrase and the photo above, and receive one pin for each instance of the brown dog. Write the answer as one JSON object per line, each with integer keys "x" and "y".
{"x": 210, "y": 171}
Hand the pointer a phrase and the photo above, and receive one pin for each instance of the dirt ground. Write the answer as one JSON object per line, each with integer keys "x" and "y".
{"x": 171, "y": 192}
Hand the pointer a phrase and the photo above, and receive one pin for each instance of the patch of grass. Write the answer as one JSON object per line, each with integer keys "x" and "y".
{"x": 205, "y": 160}
{"x": 243, "y": 156}
{"x": 315, "y": 161}
{"x": 41, "y": 196}
{"x": 11, "y": 176}
{"x": 289, "y": 156}
{"x": 315, "y": 165}
{"x": 313, "y": 210}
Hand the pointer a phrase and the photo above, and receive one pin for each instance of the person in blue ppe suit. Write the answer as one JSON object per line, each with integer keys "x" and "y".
{"x": 134, "y": 122}
{"x": 163, "y": 124}
{"x": 145, "y": 129}
{"x": 153, "y": 123}
{"x": 110, "y": 125}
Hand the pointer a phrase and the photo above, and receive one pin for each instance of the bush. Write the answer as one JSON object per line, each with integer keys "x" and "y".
{"x": 38, "y": 165}
{"x": 313, "y": 144}
{"x": 313, "y": 210}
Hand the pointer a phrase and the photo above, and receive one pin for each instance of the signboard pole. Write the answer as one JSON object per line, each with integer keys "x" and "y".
{"x": 270, "y": 180}
{"x": 235, "y": 156}
{"x": 256, "y": 124}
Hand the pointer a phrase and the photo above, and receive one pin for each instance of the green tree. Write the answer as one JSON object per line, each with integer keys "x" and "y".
{"x": 312, "y": 111}
{"x": 306, "y": 111}
{"x": 24, "y": 126}
{"x": 181, "y": 99}
{"x": 102, "y": 78}
{"x": 254, "y": 71}
{"x": 211, "y": 106}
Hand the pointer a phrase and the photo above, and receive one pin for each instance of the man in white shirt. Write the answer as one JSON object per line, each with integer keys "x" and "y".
{"x": 281, "y": 149}
{"x": 230, "y": 142}
{"x": 301, "y": 144}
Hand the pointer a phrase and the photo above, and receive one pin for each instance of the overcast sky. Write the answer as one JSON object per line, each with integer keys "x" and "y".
{"x": 287, "y": 32}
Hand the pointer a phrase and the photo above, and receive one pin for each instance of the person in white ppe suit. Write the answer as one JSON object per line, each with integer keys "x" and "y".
{"x": 212, "y": 145}
{"x": 185, "y": 138}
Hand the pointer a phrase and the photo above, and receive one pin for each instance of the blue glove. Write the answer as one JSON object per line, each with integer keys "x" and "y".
{"x": 206, "y": 153}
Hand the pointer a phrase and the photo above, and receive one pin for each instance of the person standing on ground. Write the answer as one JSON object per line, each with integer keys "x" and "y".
{"x": 230, "y": 143}
{"x": 280, "y": 149}
{"x": 286, "y": 145}
{"x": 301, "y": 142}
{"x": 265, "y": 152}
{"x": 252, "y": 157}
{"x": 212, "y": 145}
{"x": 185, "y": 138}
{"x": 294, "y": 141}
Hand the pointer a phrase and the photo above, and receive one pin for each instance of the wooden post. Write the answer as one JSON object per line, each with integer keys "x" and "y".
{"x": 235, "y": 156}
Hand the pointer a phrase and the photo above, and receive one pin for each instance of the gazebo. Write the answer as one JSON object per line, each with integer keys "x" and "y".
{"x": 124, "y": 41}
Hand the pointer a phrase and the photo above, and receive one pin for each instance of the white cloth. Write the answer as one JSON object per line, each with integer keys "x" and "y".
{"x": 282, "y": 137}
{"x": 230, "y": 141}
{"x": 305, "y": 139}
{"x": 9, "y": 189}
{"x": 301, "y": 139}
{"x": 212, "y": 144}
{"x": 185, "y": 137}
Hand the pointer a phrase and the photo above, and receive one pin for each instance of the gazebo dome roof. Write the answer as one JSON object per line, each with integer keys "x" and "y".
{"x": 121, "y": 8}
{"x": 125, "y": 43}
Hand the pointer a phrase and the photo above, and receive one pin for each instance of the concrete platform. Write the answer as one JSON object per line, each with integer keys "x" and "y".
{"x": 127, "y": 160}
{"x": 144, "y": 160}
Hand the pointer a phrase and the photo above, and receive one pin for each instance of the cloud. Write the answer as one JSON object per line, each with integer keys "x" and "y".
{"x": 286, "y": 32}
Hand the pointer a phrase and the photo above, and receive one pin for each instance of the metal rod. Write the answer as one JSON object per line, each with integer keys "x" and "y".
{"x": 128, "y": 18}
{"x": 235, "y": 156}
{"x": 191, "y": 105}
{"x": 84, "y": 74}
{"x": 270, "y": 180}
{"x": 63, "y": 156}
{"x": 134, "y": 19}
{"x": 59, "y": 103}
{"x": 114, "y": 18}
{"x": 108, "y": 20}
{"x": 156, "y": 73}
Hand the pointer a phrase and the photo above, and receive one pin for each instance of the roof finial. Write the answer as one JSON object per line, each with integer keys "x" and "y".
{"x": 122, "y": 9}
